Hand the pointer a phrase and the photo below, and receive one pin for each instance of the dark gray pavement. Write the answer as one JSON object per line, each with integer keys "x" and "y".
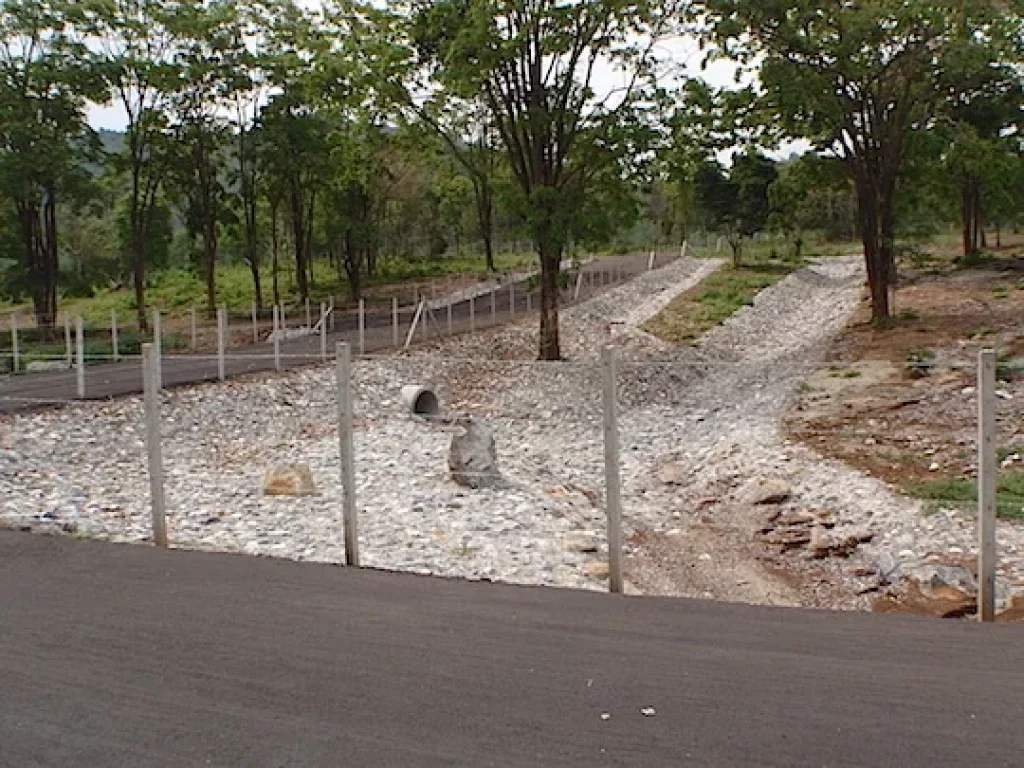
{"x": 118, "y": 655}
{"x": 39, "y": 390}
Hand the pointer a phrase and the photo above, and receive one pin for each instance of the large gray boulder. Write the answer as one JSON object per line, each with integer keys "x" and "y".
{"x": 473, "y": 458}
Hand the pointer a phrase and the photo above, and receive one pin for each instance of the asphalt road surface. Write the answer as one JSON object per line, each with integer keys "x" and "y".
{"x": 40, "y": 390}
{"x": 119, "y": 655}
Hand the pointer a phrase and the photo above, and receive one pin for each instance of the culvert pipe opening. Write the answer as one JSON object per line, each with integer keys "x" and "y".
{"x": 421, "y": 401}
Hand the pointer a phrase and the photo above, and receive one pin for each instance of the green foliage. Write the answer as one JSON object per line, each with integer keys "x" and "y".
{"x": 717, "y": 298}
{"x": 312, "y": 150}
{"x": 532, "y": 65}
{"x": 964, "y": 493}
{"x": 856, "y": 80}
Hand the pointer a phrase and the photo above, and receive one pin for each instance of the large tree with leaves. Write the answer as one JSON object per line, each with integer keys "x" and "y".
{"x": 137, "y": 42}
{"x": 198, "y": 127}
{"x": 532, "y": 63}
{"x": 45, "y": 80}
{"x": 856, "y": 79}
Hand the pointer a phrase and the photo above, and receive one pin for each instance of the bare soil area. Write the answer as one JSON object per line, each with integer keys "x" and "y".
{"x": 900, "y": 403}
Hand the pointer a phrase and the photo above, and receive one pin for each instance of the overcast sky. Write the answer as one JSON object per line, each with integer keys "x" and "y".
{"x": 682, "y": 51}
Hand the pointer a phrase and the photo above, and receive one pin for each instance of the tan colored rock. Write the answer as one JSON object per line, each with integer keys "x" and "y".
{"x": 289, "y": 480}
{"x": 581, "y": 542}
{"x": 672, "y": 474}
{"x": 597, "y": 570}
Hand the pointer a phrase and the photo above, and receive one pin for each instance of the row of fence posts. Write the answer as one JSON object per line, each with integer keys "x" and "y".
{"x": 591, "y": 279}
{"x": 987, "y": 466}
{"x": 346, "y": 452}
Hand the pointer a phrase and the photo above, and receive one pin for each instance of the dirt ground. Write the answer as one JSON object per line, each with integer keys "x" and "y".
{"x": 900, "y": 403}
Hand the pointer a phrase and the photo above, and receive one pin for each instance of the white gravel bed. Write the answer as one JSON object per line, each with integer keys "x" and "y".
{"x": 715, "y": 410}
{"x": 82, "y": 470}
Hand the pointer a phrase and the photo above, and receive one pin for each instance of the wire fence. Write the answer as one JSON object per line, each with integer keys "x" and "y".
{"x": 297, "y": 335}
{"x": 519, "y": 470}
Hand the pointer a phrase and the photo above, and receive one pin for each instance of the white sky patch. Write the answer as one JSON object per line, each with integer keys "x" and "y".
{"x": 681, "y": 57}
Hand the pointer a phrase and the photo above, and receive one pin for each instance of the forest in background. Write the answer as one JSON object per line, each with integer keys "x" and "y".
{"x": 319, "y": 150}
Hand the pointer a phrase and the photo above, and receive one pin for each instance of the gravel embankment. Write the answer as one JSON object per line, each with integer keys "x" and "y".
{"x": 714, "y": 412}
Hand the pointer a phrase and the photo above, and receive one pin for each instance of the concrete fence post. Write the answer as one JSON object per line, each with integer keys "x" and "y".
{"x": 449, "y": 313}
{"x": 194, "y": 340}
{"x": 362, "y": 327}
{"x": 613, "y": 492}
{"x": 158, "y": 346}
{"x": 494, "y": 306}
{"x": 472, "y": 314}
{"x": 222, "y": 328}
{"x": 323, "y": 332}
{"x": 346, "y": 452}
{"x": 255, "y": 324}
{"x": 309, "y": 316}
{"x": 67, "y": 340}
{"x": 650, "y": 261}
{"x": 986, "y": 485}
{"x": 154, "y": 457}
{"x": 80, "y": 357}
{"x": 511, "y": 299}
{"x": 579, "y": 284}
{"x": 15, "y": 362}
{"x": 529, "y": 300}
{"x": 113, "y": 335}
{"x": 277, "y": 338}
{"x": 415, "y": 321}
{"x": 394, "y": 321}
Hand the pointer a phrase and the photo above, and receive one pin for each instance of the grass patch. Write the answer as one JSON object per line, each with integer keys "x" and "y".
{"x": 975, "y": 259}
{"x": 714, "y": 300}
{"x": 1009, "y": 493}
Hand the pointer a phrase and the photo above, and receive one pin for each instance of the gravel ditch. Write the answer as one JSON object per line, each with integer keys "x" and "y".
{"x": 714, "y": 412}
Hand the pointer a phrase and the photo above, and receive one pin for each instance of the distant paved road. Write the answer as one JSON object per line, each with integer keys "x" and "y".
{"x": 118, "y": 655}
{"x": 40, "y": 390}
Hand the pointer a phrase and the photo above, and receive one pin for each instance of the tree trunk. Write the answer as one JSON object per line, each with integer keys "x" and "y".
{"x": 210, "y": 265}
{"x": 28, "y": 220}
{"x": 736, "y": 244}
{"x": 966, "y": 219}
{"x": 299, "y": 234}
{"x": 970, "y": 213}
{"x": 874, "y": 209}
{"x": 47, "y": 312}
{"x": 485, "y": 220}
{"x": 550, "y": 270}
{"x": 137, "y": 246}
{"x": 257, "y": 289}
{"x": 248, "y": 187}
{"x": 352, "y": 269}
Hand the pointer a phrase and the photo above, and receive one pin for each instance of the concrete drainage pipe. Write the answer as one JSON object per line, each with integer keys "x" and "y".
{"x": 421, "y": 400}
